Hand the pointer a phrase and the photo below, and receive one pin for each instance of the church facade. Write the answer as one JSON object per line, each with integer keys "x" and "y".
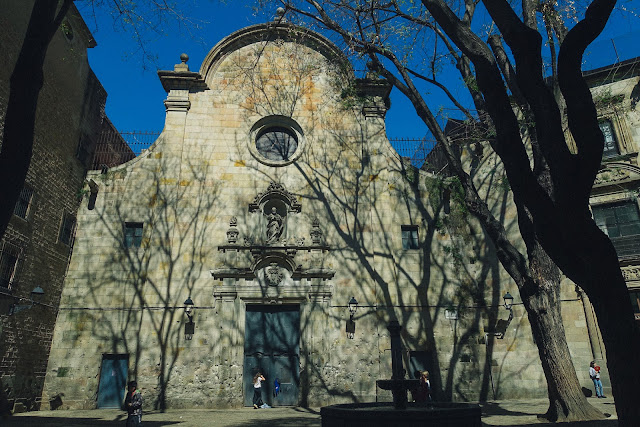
{"x": 242, "y": 239}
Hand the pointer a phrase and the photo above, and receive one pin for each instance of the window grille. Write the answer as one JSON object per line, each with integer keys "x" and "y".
{"x": 9, "y": 262}
{"x": 621, "y": 222}
{"x": 635, "y": 302}
{"x": 67, "y": 228}
{"x": 24, "y": 202}
{"x": 610, "y": 142}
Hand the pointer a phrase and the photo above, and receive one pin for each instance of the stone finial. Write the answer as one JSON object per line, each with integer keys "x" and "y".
{"x": 280, "y": 15}
{"x": 182, "y": 66}
{"x": 232, "y": 232}
{"x": 316, "y": 233}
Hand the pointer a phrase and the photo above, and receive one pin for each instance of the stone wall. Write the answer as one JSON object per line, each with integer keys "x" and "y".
{"x": 70, "y": 108}
{"x": 204, "y": 191}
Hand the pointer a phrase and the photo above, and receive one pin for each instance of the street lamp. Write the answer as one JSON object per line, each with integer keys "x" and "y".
{"x": 508, "y": 301}
{"x": 351, "y": 324}
{"x": 190, "y": 326}
{"x": 353, "y": 306}
{"x": 36, "y": 298}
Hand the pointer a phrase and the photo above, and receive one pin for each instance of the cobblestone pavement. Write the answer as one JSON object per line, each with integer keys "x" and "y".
{"x": 496, "y": 413}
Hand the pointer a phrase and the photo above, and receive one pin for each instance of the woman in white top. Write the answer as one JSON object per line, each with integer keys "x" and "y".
{"x": 594, "y": 374}
{"x": 257, "y": 390}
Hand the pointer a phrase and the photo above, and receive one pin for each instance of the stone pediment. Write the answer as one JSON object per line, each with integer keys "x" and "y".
{"x": 276, "y": 32}
{"x": 275, "y": 191}
{"x": 615, "y": 173}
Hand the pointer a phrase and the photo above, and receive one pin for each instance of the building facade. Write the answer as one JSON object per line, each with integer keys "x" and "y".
{"x": 34, "y": 253}
{"x": 271, "y": 200}
{"x": 614, "y": 199}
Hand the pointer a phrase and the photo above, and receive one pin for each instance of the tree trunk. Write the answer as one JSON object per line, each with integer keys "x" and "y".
{"x": 19, "y": 122}
{"x": 541, "y": 299}
{"x": 603, "y": 282}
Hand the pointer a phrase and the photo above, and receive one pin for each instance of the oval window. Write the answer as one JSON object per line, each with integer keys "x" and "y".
{"x": 277, "y": 143}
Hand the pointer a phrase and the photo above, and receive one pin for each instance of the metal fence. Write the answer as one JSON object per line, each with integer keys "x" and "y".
{"x": 611, "y": 51}
{"x": 413, "y": 149}
{"x": 115, "y": 148}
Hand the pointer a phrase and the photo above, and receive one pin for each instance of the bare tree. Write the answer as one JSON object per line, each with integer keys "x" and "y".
{"x": 550, "y": 187}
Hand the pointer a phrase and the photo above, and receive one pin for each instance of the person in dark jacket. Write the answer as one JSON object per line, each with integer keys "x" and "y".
{"x": 133, "y": 405}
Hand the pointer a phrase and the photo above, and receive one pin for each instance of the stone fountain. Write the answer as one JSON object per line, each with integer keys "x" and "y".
{"x": 397, "y": 384}
{"x": 400, "y": 412}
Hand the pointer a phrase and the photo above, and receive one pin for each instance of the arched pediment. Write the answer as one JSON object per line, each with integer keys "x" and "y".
{"x": 275, "y": 191}
{"x": 272, "y": 31}
{"x": 616, "y": 173}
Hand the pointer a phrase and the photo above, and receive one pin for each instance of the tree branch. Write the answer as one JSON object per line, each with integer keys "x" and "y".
{"x": 582, "y": 116}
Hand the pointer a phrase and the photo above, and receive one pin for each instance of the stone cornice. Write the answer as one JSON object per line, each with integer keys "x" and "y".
{"x": 181, "y": 80}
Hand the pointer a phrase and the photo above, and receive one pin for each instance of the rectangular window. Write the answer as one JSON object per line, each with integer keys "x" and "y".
{"x": 635, "y": 302}
{"x": 610, "y": 143}
{"x": 24, "y": 202}
{"x": 9, "y": 256}
{"x": 618, "y": 219}
{"x": 409, "y": 237}
{"x": 133, "y": 234}
{"x": 67, "y": 228}
{"x": 621, "y": 222}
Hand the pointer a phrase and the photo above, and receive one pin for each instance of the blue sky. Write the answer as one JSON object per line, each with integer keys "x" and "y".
{"x": 135, "y": 95}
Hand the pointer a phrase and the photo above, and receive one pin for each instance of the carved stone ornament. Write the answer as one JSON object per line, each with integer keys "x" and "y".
{"x": 232, "y": 232}
{"x": 277, "y": 191}
{"x": 611, "y": 175}
{"x": 274, "y": 274}
{"x": 316, "y": 233}
{"x": 631, "y": 273}
{"x": 275, "y": 226}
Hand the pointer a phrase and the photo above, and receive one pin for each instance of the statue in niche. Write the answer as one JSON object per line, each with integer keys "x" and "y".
{"x": 275, "y": 225}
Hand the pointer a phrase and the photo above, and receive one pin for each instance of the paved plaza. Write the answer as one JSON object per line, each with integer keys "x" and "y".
{"x": 495, "y": 413}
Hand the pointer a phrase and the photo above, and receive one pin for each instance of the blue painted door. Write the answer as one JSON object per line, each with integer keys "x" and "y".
{"x": 113, "y": 380}
{"x": 271, "y": 346}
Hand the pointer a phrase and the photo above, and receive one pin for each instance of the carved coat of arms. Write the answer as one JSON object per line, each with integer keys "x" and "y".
{"x": 274, "y": 274}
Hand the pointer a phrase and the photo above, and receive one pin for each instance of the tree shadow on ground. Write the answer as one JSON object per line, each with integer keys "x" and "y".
{"x": 497, "y": 412}
{"x": 73, "y": 421}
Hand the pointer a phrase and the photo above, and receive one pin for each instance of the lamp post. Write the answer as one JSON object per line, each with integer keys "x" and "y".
{"x": 190, "y": 326}
{"x": 353, "y": 306}
{"x": 508, "y": 303}
{"x": 351, "y": 324}
{"x": 35, "y": 298}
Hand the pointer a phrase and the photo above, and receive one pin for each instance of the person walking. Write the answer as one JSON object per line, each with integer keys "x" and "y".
{"x": 133, "y": 405}
{"x": 423, "y": 392}
{"x": 594, "y": 374}
{"x": 257, "y": 390}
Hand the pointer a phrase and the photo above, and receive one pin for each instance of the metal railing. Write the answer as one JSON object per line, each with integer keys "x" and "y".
{"x": 415, "y": 150}
{"x": 115, "y": 148}
{"x": 610, "y": 51}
